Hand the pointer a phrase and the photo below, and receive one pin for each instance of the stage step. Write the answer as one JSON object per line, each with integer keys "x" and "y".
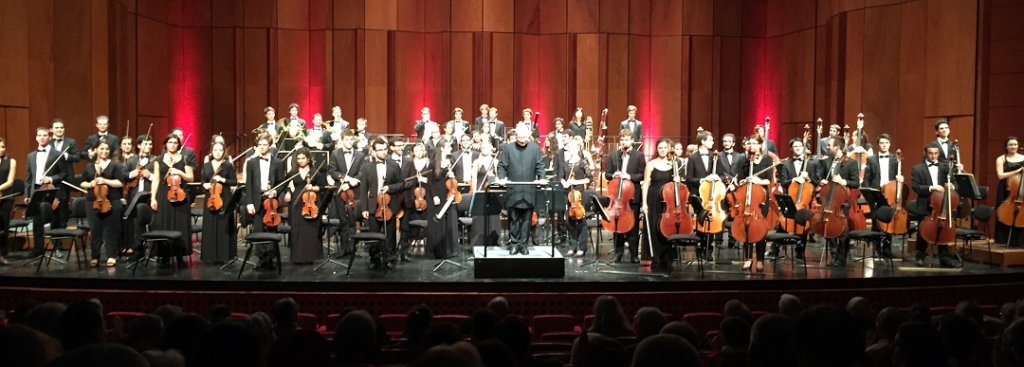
{"x": 499, "y": 264}
{"x": 978, "y": 252}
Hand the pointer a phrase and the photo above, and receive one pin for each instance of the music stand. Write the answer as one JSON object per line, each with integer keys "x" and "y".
{"x": 874, "y": 198}
{"x": 234, "y": 200}
{"x": 486, "y": 203}
{"x": 39, "y": 197}
{"x": 320, "y": 156}
{"x": 139, "y": 196}
{"x": 967, "y": 186}
{"x": 550, "y": 202}
{"x": 602, "y": 216}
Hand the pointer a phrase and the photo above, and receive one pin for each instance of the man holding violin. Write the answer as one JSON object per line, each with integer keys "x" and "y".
{"x": 844, "y": 172}
{"x": 262, "y": 173}
{"x": 381, "y": 179}
{"x": 43, "y": 172}
{"x": 344, "y": 166}
{"x": 926, "y": 178}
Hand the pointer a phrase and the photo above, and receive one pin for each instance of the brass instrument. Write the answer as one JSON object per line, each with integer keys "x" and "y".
{"x": 588, "y": 136}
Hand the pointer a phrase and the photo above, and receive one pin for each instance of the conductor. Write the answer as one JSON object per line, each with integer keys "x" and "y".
{"x": 520, "y": 162}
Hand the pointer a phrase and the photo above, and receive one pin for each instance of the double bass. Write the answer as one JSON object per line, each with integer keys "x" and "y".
{"x": 1009, "y": 212}
{"x": 895, "y": 192}
{"x": 831, "y": 221}
{"x": 939, "y": 226}
{"x": 712, "y": 192}
{"x": 676, "y": 217}
{"x": 857, "y": 217}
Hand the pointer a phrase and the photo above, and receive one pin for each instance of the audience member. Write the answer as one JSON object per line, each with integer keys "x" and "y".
{"x": 101, "y": 355}
{"x": 774, "y": 342}
{"x": 23, "y": 346}
{"x": 683, "y": 330}
{"x": 355, "y": 339}
{"x": 790, "y": 305}
{"x": 460, "y": 354}
{"x": 227, "y": 344}
{"x": 649, "y": 321}
{"x": 919, "y": 344}
{"x": 609, "y": 319}
{"x": 80, "y": 325}
{"x": 887, "y": 323}
{"x": 300, "y": 348}
{"x": 499, "y": 305}
{"x": 665, "y": 350}
{"x": 285, "y": 314}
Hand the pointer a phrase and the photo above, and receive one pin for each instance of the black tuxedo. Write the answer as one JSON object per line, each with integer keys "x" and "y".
{"x": 338, "y": 168}
{"x": 90, "y": 142}
{"x": 420, "y": 126}
{"x": 635, "y": 168}
{"x": 696, "y": 170}
{"x": 729, "y": 168}
{"x": 788, "y": 171}
{"x": 468, "y": 157}
{"x": 72, "y": 155}
{"x": 873, "y": 171}
{"x": 943, "y": 157}
{"x": 920, "y": 182}
{"x": 520, "y": 164}
{"x": 497, "y": 129}
{"x": 847, "y": 169}
{"x": 57, "y": 173}
{"x": 254, "y": 188}
{"x": 366, "y": 201}
{"x": 634, "y": 126}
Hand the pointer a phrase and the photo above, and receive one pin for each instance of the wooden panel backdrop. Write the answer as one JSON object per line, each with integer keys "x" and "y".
{"x": 211, "y": 66}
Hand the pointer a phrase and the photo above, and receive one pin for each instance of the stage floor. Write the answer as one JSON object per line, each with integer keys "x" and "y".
{"x": 577, "y": 270}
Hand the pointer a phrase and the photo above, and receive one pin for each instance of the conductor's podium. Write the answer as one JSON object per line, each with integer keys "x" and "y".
{"x": 499, "y": 264}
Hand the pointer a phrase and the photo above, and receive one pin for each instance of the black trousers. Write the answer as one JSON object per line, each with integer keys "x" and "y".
{"x": 106, "y": 231}
{"x": 43, "y": 216}
{"x": 632, "y": 236}
{"x": 519, "y": 225}
{"x": 382, "y": 251}
{"x": 5, "y": 224}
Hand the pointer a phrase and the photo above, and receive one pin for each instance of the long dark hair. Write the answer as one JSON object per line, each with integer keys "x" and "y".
{"x": 440, "y": 172}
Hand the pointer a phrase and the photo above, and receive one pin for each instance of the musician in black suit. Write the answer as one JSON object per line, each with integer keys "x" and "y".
{"x": 463, "y": 169}
{"x": 293, "y": 118}
{"x": 188, "y": 153}
{"x": 634, "y": 126}
{"x": 484, "y": 111}
{"x": 102, "y": 127}
{"x": 263, "y": 172}
{"x": 343, "y": 171}
{"x": 630, "y": 164}
{"x": 379, "y": 175}
{"x": 318, "y": 138}
{"x": 71, "y": 155}
{"x": 947, "y": 148}
{"x": 497, "y": 126}
{"x": 425, "y": 126}
{"x": 882, "y": 168}
{"x": 728, "y": 155}
{"x": 44, "y": 167}
{"x": 460, "y": 127}
{"x": 844, "y": 172}
{"x": 833, "y": 130}
{"x": 926, "y": 178}
{"x": 699, "y": 169}
{"x": 796, "y": 170}
{"x": 520, "y": 162}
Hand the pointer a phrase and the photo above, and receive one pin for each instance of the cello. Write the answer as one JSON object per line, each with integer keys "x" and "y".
{"x": 830, "y": 222}
{"x": 894, "y": 194}
{"x": 803, "y": 195}
{"x": 620, "y": 214}
{"x": 712, "y": 192}
{"x": 1009, "y": 212}
{"x": 676, "y": 217}
{"x": 750, "y": 226}
{"x": 857, "y": 217}
{"x": 939, "y": 227}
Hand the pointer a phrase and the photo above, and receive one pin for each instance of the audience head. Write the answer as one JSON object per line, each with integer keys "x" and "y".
{"x": 417, "y": 322}
{"x": 888, "y": 321}
{"x": 649, "y": 321}
{"x": 24, "y": 346}
{"x": 609, "y": 319}
{"x": 355, "y": 340}
{"x": 44, "y": 317}
{"x": 167, "y": 312}
{"x": 596, "y": 350}
{"x": 494, "y": 353}
{"x": 229, "y": 343}
{"x": 830, "y": 337}
{"x": 971, "y": 310}
{"x": 737, "y": 308}
{"x": 219, "y": 312}
{"x": 920, "y": 312}
{"x": 499, "y": 305}
{"x": 515, "y": 333}
{"x": 145, "y": 332}
{"x": 735, "y": 332}
{"x": 460, "y": 354}
{"x": 481, "y": 325}
{"x": 441, "y": 334}
{"x": 182, "y": 332}
{"x": 80, "y": 325}
{"x": 285, "y": 314}
{"x": 773, "y": 341}
{"x": 682, "y": 329}
{"x": 790, "y": 305}
{"x": 101, "y": 355}
{"x": 164, "y": 358}
{"x": 665, "y": 350}
{"x": 919, "y": 344}
{"x": 300, "y": 348}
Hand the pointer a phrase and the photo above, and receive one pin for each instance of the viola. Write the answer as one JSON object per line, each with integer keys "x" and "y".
{"x": 383, "y": 212}
{"x": 214, "y": 198}
{"x": 676, "y": 217}
{"x": 712, "y": 192}
{"x": 1009, "y": 212}
{"x": 271, "y": 218}
{"x": 575, "y": 197}
{"x": 894, "y": 194}
{"x": 135, "y": 181}
{"x": 620, "y": 214}
{"x": 939, "y": 226}
{"x": 750, "y": 226}
{"x": 830, "y": 222}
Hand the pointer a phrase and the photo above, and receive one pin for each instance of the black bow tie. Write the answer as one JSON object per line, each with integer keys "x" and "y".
{"x": 265, "y": 159}
{"x": 347, "y": 152}
{"x": 58, "y": 140}
{"x": 380, "y": 163}
{"x": 880, "y": 156}
{"x": 801, "y": 160}
{"x": 933, "y": 164}
{"x": 41, "y": 150}
{"x": 703, "y": 154}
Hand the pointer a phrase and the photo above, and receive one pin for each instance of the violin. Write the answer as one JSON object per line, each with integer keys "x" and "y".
{"x": 383, "y": 212}
{"x": 939, "y": 227}
{"x": 214, "y": 200}
{"x": 894, "y": 194}
{"x": 348, "y": 197}
{"x": 135, "y": 181}
{"x": 575, "y": 197}
{"x": 420, "y": 195}
{"x": 712, "y": 192}
{"x": 830, "y": 222}
{"x": 175, "y": 194}
{"x": 1009, "y": 212}
{"x": 452, "y": 185}
{"x": 750, "y": 226}
{"x": 676, "y": 217}
{"x": 271, "y": 218}
{"x": 309, "y": 209}
{"x": 620, "y": 214}
{"x": 101, "y": 191}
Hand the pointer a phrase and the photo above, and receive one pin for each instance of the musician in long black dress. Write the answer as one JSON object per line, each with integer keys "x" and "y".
{"x": 520, "y": 162}
{"x": 139, "y": 175}
{"x": 263, "y": 173}
{"x": 443, "y": 236}
{"x": 574, "y": 173}
{"x": 343, "y": 171}
{"x": 659, "y": 172}
{"x": 744, "y": 166}
{"x": 380, "y": 176}
{"x": 927, "y": 177}
{"x": 104, "y": 226}
{"x": 417, "y": 166}
{"x": 172, "y": 216}
{"x": 220, "y": 238}
{"x": 305, "y": 234}
{"x": 1009, "y": 164}
{"x": 8, "y": 167}
{"x": 44, "y": 169}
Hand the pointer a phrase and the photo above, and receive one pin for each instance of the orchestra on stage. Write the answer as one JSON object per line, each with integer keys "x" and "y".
{"x": 479, "y": 182}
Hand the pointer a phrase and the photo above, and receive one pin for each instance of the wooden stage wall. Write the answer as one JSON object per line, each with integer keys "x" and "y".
{"x": 212, "y": 65}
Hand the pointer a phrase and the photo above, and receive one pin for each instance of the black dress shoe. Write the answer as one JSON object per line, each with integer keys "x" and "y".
{"x": 617, "y": 258}
{"x": 919, "y": 260}
{"x": 375, "y": 265}
{"x": 404, "y": 258}
{"x": 389, "y": 265}
{"x": 634, "y": 260}
{"x": 524, "y": 250}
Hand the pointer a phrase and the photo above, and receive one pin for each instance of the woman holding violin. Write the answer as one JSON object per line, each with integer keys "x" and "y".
{"x": 8, "y": 169}
{"x": 660, "y": 171}
{"x": 442, "y": 189}
{"x": 414, "y": 201}
{"x": 1010, "y": 168}
{"x": 138, "y": 181}
{"x": 485, "y": 166}
{"x": 170, "y": 202}
{"x": 219, "y": 234}
{"x": 304, "y": 207}
{"x": 574, "y": 175}
{"x": 104, "y": 179}
{"x": 755, "y": 161}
